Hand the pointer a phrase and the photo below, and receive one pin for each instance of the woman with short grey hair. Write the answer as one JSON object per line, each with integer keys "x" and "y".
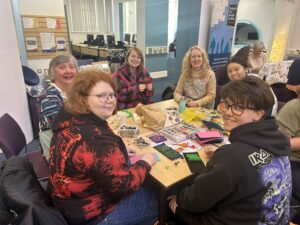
{"x": 257, "y": 57}
{"x": 61, "y": 73}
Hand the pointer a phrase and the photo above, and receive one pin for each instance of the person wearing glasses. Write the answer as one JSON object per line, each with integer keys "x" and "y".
{"x": 249, "y": 180}
{"x": 91, "y": 180}
{"x": 197, "y": 82}
{"x": 61, "y": 73}
{"x": 134, "y": 82}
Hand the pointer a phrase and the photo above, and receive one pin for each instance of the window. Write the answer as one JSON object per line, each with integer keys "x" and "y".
{"x": 83, "y": 15}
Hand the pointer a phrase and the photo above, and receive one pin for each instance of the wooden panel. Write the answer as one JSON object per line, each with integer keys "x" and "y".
{"x": 40, "y": 26}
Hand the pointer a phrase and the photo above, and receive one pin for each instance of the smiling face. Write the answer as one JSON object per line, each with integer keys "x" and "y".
{"x": 134, "y": 59}
{"x": 236, "y": 71}
{"x": 196, "y": 59}
{"x": 232, "y": 120}
{"x": 104, "y": 106}
{"x": 65, "y": 73}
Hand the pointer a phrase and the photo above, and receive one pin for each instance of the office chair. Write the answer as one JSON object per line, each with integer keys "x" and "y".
{"x": 12, "y": 141}
{"x": 31, "y": 79}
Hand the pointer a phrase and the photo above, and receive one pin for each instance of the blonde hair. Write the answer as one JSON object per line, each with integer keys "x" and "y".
{"x": 187, "y": 67}
{"x": 80, "y": 89}
{"x": 140, "y": 53}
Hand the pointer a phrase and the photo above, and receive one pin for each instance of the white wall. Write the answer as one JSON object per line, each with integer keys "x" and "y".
{"x": 12, "y": 92}
{"x": 294, "y": 41}
{"x": 261, "y": 13}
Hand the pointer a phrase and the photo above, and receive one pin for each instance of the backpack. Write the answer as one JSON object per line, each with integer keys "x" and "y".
{"x": 21, "y": 193}
{"x": 168, "y": 93}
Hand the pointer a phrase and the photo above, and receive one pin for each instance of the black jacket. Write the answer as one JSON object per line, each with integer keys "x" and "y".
{"x": 245, "y": 182}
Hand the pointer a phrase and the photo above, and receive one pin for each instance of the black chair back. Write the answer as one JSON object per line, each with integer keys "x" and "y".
{"x": 12, "y": 138}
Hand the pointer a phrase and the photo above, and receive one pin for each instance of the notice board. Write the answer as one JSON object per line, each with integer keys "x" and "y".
{"x": 45, "y": 36}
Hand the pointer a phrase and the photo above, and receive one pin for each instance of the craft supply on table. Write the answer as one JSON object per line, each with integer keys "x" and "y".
{"x": 128, "y": 131}
{"x": 157, "y": 138}
{"x": 141, "y": 142}
{"x": 167, "y": 151}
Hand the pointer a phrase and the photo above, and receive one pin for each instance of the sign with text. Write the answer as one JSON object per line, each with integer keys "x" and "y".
{"x": 221, "y": 32}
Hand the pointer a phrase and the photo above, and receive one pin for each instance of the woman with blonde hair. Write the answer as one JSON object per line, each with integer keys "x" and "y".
{"x": 197, "y": 82}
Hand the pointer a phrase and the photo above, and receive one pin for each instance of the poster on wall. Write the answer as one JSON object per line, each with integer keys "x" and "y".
{"x": 48, "y": 42}
{"x": 221, "y": 31}
{"x": 29, "y": 22}
{"x": 61, "y": 44}
{"x": 31, "y": 44}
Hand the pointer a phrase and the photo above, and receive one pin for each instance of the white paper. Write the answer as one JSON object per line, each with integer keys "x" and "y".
{"x": 60, "y": 43}
{"x": 51, "y": 23}
{"x": 48, "y": 41}
{"x": 27, "y": 22}
{"x": 31, "y": 43}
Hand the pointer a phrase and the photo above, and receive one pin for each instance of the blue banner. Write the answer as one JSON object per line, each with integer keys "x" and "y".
{"x": 221, "y": 32}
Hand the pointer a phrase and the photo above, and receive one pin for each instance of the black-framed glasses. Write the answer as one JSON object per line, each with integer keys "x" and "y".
{"x": 105, "y": 96}
{"x": 236, "y": 109}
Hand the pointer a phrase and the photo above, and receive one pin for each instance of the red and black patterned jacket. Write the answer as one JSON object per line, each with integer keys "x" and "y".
{"x": 128, "y": 88}
{"x": 89, "y": 169}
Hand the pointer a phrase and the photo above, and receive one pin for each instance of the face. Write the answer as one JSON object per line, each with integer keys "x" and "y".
{"x": 232, "y": 120}
{"x": 257, "y": 51}
{"x": 101, "y": 100}
{"x": 134, "y": 59}
{"x": 236, "y": 71}
{"x": 65, "y": 73}
{"x": 196, "y": 59}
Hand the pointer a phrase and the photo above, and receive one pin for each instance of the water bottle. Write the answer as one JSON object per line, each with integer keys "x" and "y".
{"x": 182, "y": 105}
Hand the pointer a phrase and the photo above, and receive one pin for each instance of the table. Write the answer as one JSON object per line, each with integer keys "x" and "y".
{"x": 167, "y": 173}
{"x": 94, "y": 51}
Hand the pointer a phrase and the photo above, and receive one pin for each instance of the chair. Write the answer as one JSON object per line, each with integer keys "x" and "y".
{"x": 12, "y": 141}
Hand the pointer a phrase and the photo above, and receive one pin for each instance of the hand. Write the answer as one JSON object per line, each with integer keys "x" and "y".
{"x": 149, "y": 86}
{"x": 209, "y": 152}
{"x": 131, "y": 152}
{"x": 172, "y": 203}
{"x": 149, "y": 158}
{"x": 142, "y": 87}
{"x": 192, "y": 104}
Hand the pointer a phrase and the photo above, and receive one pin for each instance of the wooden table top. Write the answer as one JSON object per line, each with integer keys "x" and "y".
{"x": 165, "y": 171}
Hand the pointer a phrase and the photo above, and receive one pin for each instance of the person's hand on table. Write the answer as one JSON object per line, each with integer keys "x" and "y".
{"x": 149, "y": 158}
{"x": 131, "y": 152}
{"x": 142, "y": 87}
{"x": 149, "y": 87}
{"x": 192, "y": 104}
{"x": 207, "y": 154}
{"x": 172, "y": 203}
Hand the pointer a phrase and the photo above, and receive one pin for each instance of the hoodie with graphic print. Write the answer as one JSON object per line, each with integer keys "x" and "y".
{"x": 246, "y": 182}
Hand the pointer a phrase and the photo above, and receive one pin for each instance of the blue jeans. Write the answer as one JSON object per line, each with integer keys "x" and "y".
{"x": 139, "y": 208}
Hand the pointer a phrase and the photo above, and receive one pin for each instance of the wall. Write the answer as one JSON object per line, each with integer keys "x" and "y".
{"x": 12, "y": 92}
{"x": 187, "y": 30}
{"x": 294, "y": 40}
{"x": 261, "y": 13}
{"x": 156, "y": 32}
{"x": 41, "y": 7}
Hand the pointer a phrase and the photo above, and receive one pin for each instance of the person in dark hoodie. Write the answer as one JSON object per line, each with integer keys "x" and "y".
{"x": 249, "y": 180}
{"x": 91, "y": 179}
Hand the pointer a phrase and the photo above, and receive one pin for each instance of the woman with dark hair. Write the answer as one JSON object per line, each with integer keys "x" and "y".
{"x": 197, "y": 82}
{"x": 237, "y": 69}
{"x": 91, "y": 179}
{"x": 134, "y": 81}
{"x": 61, "y": 73}
{"x": 249, "y": 180}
